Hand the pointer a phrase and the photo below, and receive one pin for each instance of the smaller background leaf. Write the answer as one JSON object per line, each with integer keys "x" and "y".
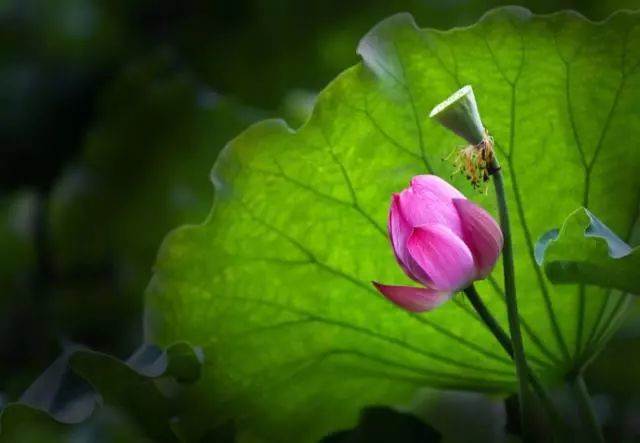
{"x": 122, "y": 387}
{"x": 586, "y": 251}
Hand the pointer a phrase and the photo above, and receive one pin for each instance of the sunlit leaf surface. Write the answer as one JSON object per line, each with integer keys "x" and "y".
{"x": 275, "y": 285}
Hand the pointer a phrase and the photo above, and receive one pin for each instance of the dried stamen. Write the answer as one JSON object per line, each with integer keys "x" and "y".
{"x": 476, "y": 161}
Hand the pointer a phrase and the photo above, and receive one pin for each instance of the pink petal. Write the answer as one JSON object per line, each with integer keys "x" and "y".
{"x": 399, "y": 231}
{"x": 481, "y": 233}
{"x": 428, "y": 201}
{"x": 443, "y": 256}
{"x": 413, "y": 299}
{"x": 435, "y": 185}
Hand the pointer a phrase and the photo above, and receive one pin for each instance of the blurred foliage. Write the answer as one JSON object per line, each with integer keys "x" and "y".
{"x": 139, "y": 399}
{"x": 112, "y": 113}
{"x": 26, "y": 336}
{"x": 144, "y": 169}
{"x": 17, "y": 230}
{"x": 57, "y": 55}
{"x": 28, "y": 425}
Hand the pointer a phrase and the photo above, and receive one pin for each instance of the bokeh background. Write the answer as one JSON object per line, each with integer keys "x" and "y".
{"x": 112, "y": 113}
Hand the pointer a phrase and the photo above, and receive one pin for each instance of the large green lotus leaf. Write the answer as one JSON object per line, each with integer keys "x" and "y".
{"x": 275, "y": 284}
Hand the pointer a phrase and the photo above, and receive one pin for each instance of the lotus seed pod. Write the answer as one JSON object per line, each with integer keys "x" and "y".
{"x": 460, "y": 114}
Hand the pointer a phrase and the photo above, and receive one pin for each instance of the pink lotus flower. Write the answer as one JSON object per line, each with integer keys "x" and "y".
{"x": 441, "y": 240}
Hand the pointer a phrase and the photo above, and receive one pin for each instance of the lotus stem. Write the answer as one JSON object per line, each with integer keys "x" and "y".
{"x": 459, "y": 113}
{"x": 510, "y": 291}
{"x": 489, "y": 320}
{"x": 586, "y": 409}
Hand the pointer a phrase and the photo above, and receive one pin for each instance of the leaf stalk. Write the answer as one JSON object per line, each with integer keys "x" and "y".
{"x": 504, "y": 340}
{"x": 587, "y": 411}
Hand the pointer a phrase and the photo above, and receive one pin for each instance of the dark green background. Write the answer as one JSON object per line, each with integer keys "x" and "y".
{"x": 111, "y": 115}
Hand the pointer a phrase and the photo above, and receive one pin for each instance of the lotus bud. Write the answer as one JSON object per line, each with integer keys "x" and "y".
{"x": 441, "y": 240}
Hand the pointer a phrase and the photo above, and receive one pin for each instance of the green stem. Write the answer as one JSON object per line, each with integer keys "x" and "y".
{"x": 488, "y": 319}
{"x": 510, "y": 295}
{"x": 505, "y": 342}
{"x": 586, "y": 409}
